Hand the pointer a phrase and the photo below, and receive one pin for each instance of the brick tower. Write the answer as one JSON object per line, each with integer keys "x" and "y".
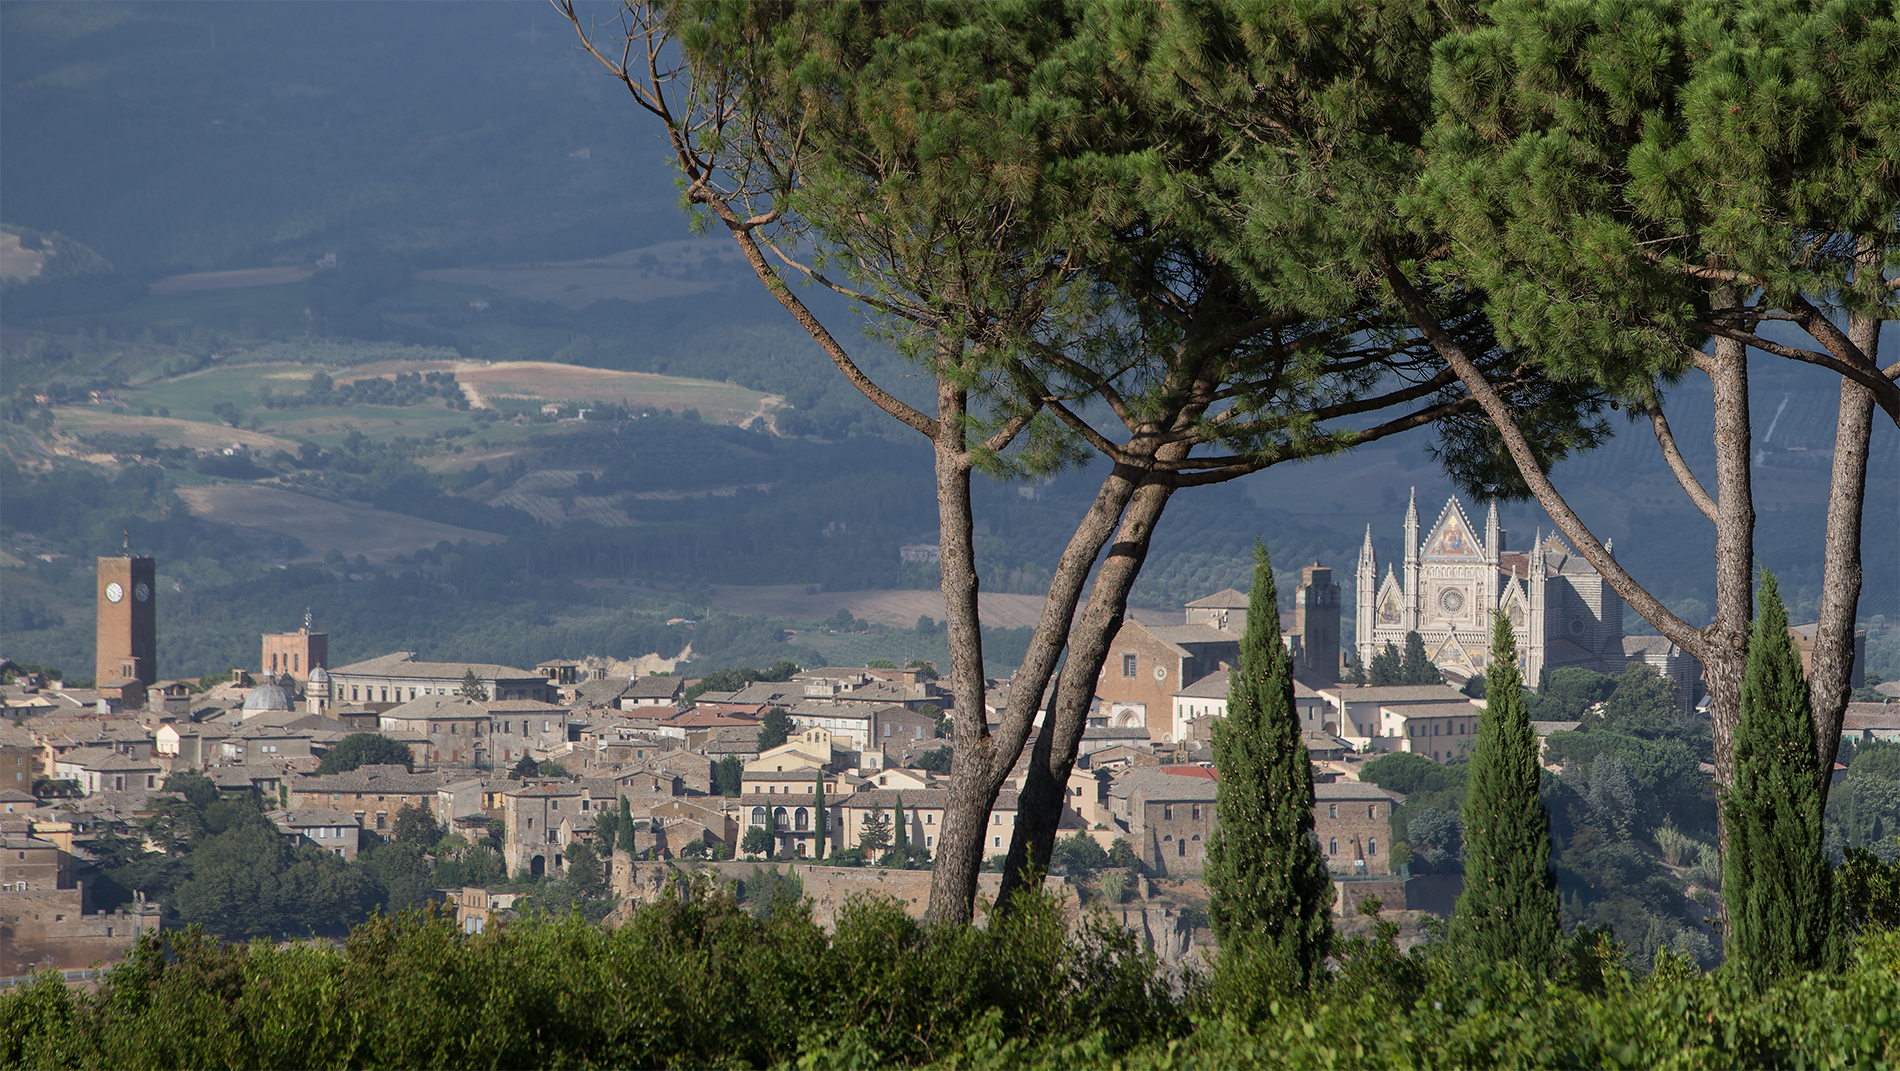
{"x": 128, "y": 619}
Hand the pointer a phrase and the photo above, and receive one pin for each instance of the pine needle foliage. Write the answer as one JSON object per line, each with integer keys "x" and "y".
{"x": 1509, "y": 909}
{"x": 1784, "y": 916}
{"x": 1270, "y": 895}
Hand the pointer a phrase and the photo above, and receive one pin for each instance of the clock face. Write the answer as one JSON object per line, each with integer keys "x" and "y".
{"x": 143, "y": 592}
{"x": 114, "y": 593}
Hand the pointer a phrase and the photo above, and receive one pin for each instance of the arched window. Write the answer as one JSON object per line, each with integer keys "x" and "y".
{"x": 801, "y": 819}
{"x": 758, "y": 816}
{"x": 1183, "y": 848}
{"x": 778, "y": 818}
{"x": 1333, "y": 848}
{"x": 1372, "y": 846}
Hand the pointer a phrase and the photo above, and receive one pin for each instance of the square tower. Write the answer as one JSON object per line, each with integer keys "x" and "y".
{"x": 295, "y": 653}
{"x": 1316, "y": 621}
{"x": 128, "y": 620}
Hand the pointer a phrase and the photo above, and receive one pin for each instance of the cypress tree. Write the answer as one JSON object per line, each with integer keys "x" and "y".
{"x": 818, "y": 816}
{"x": 1416, "y": 667}
{"x": 1386, "y": 667}
{"x": 902, "y": 845}
{"x": 1509, "y": 909}
{"x": 1783, "y": 911}
{"x": 1270, "y": 894}
{"x": 626, "y": 827}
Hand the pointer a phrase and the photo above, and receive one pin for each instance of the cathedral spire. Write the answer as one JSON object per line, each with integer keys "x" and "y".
{"x": 1493, "y": 535}
{"x": 1365, "y": 551}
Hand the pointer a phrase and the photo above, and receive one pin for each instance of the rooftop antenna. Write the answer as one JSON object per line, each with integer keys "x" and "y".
{"x": 306, "y": 619}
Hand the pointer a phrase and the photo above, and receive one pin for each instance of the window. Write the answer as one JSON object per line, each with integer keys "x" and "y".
{"x": 758, "y": 816}
{"x": 1333, "y": 847}
{"x": 382, "y": 819}
{"x": 412, "y": 693}
{"x": 930, "y": 842}
{"x": 1371, "y": 808}
{"x": 1167, "y": 812}
{"x": 930, "y": 819}
{"x": 1197, "y": 812}
{"x": 1332, "y": 810}
{"x": 352, "y": 693}
{"x": 1128, "y": 665}
{"x": 996, "y": 842}
{"x": 1372, "y": 846}
{"x": 1182, "y": 846}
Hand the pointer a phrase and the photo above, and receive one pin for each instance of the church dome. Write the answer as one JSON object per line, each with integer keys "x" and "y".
{"x": 319, "y": 676}
{"x": 266, "y": 696}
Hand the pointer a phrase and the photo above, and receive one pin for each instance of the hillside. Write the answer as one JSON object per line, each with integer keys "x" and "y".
{"x": 327, "y": 190}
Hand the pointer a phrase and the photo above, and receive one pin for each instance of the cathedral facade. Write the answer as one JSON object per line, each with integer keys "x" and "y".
{"x": 1453, "y": 581}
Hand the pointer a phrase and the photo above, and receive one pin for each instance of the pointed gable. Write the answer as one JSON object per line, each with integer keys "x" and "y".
{"x": 1453, "y": 537}
{"x": 1513, "y": 607}
{"x": 1452, "y": 655}
{"x": 1391, "y": 610}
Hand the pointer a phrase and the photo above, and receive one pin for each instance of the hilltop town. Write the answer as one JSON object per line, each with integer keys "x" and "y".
{"x": 483, "y": 787}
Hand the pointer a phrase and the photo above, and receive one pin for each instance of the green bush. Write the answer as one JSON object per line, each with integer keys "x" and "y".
{"x": 693, "y": 981}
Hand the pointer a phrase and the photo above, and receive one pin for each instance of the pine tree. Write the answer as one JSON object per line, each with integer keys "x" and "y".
{"x": 1386, "y": 667}
{"x": 876, "y": 835}
{"x": 1509, "y": 909}
{"x": 774, "y": 728}
{"x": 1270, "y": 894}
{"x": 474, "y": 689}
{"x": 1417, "y": 666}
{"x": 1783, "y": 911}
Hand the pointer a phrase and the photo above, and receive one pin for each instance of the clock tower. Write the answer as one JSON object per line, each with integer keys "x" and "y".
{"x": 128, "y": 621}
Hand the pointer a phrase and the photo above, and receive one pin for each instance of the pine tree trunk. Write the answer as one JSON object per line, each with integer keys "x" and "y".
{"x": 1831, "y": 666}
{"x": 1046, "y": 785}
{"x": 1727, "y": 635}
{"x": 972, "y": 791}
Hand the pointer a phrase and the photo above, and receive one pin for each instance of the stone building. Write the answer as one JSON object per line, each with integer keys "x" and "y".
{"x": 371, "y": 794}
{"x": 333, "y": 830}
{"x": 1146, "y": 665}
{"x": 1353, "y": 822}
{"x": 457, "y": 729}
{"x": 399, "y": 678}
{"x": 1169, "y": 814}
{"x": 1563, "y": 613}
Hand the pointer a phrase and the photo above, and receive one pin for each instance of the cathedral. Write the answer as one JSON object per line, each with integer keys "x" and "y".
{"x": 1563, "y": 613}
